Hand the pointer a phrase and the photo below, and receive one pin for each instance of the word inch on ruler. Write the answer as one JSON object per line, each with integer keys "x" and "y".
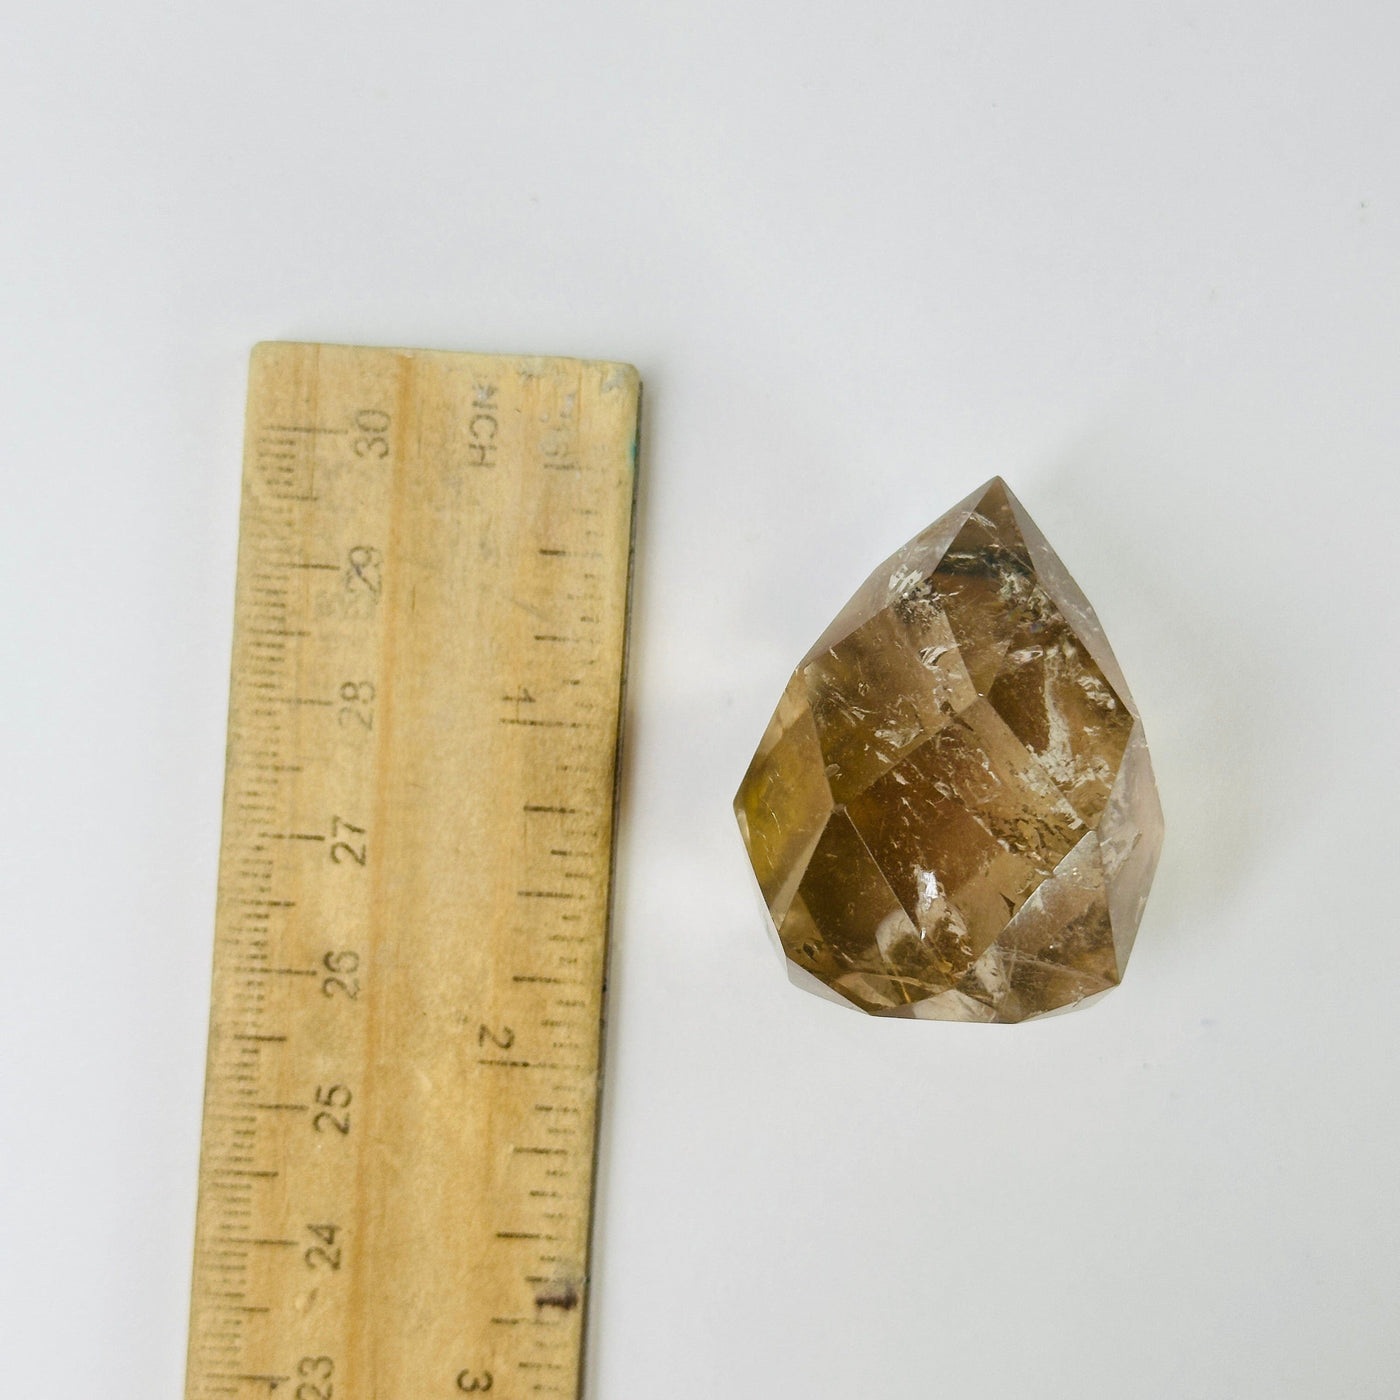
{"x": 398, "y": 1146}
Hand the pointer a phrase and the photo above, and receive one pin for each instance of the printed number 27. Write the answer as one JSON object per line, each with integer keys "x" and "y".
{"x": 342, "y": 850}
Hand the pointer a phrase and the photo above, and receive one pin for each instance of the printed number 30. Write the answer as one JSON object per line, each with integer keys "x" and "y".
{"x": 373, "y": 424}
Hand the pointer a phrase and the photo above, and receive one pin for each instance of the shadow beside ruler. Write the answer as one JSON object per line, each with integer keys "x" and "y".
{"x": 398, "y": 1150}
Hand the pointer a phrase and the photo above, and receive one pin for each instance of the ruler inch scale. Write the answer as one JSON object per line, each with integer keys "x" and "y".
{"x": 398, "y": 1148}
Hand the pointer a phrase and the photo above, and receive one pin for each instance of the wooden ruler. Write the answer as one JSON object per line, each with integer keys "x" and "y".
{"x": 398, "y": 1149}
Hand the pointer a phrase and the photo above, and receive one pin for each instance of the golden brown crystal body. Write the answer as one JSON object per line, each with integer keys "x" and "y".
{"x": 952, "y": 814}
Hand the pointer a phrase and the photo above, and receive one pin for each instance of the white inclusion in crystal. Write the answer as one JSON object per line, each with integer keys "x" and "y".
{"x": 930, "y": 892}
{"x": 1097, "y": 691}
{"x": 1058, "y": 756}
{"x": 932, "y": 911}
{"x": 898, "y": 738}
{"x": 894, "y": 928}
{"x": 903, "y": 579}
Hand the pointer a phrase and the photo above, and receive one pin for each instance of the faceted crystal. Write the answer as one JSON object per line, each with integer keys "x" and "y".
{"x": 952, "y": 814}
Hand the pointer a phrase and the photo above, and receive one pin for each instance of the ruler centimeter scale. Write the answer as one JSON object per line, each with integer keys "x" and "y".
{"x": 398, "y": 1149}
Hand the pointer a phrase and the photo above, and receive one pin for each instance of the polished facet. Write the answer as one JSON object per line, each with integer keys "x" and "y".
{"x": 952, "y": 814}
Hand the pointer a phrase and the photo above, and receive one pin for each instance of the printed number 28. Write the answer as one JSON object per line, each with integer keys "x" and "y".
{"x": 318, "y": 1370}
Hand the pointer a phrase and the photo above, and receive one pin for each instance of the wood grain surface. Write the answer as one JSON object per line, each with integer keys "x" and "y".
{"x": 398, "y": 1148}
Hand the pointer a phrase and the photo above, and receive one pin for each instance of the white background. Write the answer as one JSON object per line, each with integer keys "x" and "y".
{"x": 1142, "y": 259}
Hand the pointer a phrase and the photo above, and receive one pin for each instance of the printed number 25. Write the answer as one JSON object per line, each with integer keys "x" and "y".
{"x": 337, "y": 1098}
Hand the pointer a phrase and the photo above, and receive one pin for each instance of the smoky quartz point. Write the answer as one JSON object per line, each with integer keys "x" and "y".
{"x": 952, "y": 814}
